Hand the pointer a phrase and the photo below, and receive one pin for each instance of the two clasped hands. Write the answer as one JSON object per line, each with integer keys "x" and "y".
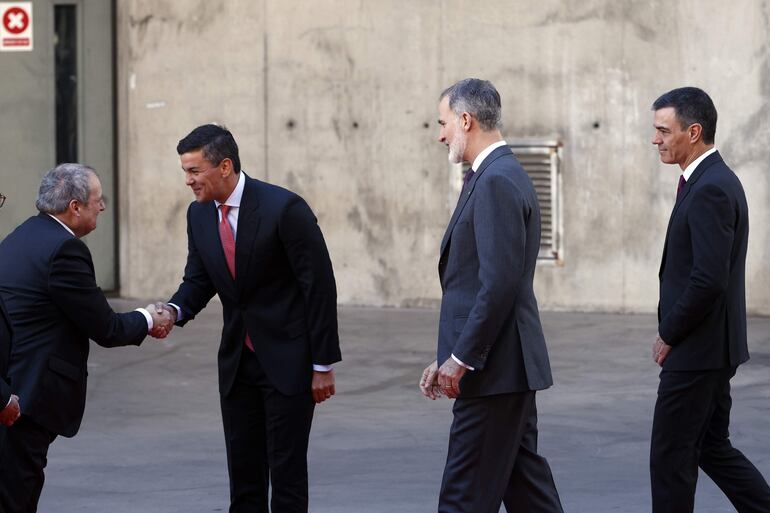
{"x": 163, "y": 319}
{"x": 445, "y": 380}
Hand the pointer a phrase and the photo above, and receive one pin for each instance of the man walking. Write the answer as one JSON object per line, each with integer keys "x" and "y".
{"x": 259, "y": 248}
{"x": 490, "y": 342}
{"x": 701, "y": 315}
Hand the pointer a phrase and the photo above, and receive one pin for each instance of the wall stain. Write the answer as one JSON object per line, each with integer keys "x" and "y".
{"x": 354, "y": 218}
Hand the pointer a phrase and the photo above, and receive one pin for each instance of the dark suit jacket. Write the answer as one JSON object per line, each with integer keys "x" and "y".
{"x": 5, "y": 354}
{"x": 284, "y": 294}
{"x": 489, "y": 317}
{"x": 48, "y": 285}
{"x": 702, "y": 308}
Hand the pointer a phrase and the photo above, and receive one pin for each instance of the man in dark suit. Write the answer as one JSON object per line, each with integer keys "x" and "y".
{"x": 259, "y": 248}
{"x": 701, "y": 315}
{"x": 48, "y": 285}
{"x": 8, "y": 400}
{"x": 490, "y": 342}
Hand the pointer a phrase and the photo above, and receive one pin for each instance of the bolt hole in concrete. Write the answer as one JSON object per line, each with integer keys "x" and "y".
{"x": 355, "y": 124}
{"x": 290, "y": 124}
{"x": 596, "y": 124}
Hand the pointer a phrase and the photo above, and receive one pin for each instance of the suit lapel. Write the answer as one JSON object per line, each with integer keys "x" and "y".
{"x": 248, "y": 225}
{"x": 702, "y": 167}
{"x": 466, "y": 193}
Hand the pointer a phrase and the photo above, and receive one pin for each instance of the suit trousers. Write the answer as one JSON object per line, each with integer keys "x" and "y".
{"x": 690, "y": 430}
{"x": 266, "y": 436}
{"x": 23, "y": 457}
{"x": 493, "y": 459}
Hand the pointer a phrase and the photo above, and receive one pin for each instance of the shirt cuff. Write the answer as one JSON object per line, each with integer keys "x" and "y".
{"x": 147, "y": 316}
{"x": 178, "y": 311}
{"x": 456, "y": 359}
{"x": 322, "y": 368}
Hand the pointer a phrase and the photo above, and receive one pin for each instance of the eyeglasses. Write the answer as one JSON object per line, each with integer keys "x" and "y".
{"x": 2, "y": 200}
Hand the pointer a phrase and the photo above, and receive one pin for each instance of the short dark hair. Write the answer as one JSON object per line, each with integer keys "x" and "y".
{"x": 479, "y": 98}
{"x": 692, "y": 105}
{"x": 216, "y": 142}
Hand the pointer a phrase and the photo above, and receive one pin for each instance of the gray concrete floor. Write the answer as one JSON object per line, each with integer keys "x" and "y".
{"x": 152, "y": 441}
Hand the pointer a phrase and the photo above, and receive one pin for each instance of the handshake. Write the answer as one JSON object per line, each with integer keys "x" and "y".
{"x": 163, "y": 319}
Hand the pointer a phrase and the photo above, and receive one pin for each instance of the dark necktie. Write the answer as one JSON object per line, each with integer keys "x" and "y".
{"x": 228, "y": 245}
{"x": 468, "y": 177}
{"x": 680, "y": 186}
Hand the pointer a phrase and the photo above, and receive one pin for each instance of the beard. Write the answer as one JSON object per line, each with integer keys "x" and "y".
{"x": 457, "y": 148}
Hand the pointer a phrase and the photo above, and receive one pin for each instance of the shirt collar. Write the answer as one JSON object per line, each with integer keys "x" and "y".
{"x": 689, "y": 170}
{"x": 235, "y": 198}
{"x": 64, "y": 225}
{"x": 485, "y": 153}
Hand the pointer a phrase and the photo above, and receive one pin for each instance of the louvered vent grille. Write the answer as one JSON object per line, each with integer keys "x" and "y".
{"x": 541, "y": 161}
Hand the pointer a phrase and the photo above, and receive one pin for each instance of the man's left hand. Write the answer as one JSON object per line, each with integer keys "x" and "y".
{"x": 10, "y": 413}
{"x": 660, "y": 350}
{"x": 322, "y": 386}
{"x": 449, "y": 375}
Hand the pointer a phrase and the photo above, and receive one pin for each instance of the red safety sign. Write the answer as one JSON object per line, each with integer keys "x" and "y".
{"x": 15, "y": 26}
{"x": 16, "y": 20}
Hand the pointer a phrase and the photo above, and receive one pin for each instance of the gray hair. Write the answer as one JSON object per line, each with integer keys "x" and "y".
{"x": 479, "y": 98}
{"x": 62, "y": 184}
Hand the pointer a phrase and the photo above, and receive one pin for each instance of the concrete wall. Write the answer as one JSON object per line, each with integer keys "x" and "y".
{"x": 337, "y": 100}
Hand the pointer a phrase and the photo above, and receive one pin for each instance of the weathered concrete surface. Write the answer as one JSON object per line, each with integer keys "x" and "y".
{"x": 338, "y": 101}
{"x": 152, "y": 439}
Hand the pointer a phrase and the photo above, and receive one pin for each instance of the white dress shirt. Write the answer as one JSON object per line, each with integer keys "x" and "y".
{"x": 688, "y": 171}
{"x": 234, "y": 202}
{"x": 485, "y": 153}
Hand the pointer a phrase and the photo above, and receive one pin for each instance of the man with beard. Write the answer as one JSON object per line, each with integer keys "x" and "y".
{"x": 490, "y": 343}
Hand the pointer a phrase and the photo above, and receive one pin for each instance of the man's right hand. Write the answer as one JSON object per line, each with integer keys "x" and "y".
{"x": 163, "y": 318}
{"x": 429, "y": 382}
{"x": 10, "y": 413}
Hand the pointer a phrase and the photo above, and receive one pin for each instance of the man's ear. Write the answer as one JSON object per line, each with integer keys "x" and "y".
{"x": 466, "y": 121}
{"x": 74, "y": 207}
{"x": 226, "y": 167}
{"x": 695, "y": 132}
